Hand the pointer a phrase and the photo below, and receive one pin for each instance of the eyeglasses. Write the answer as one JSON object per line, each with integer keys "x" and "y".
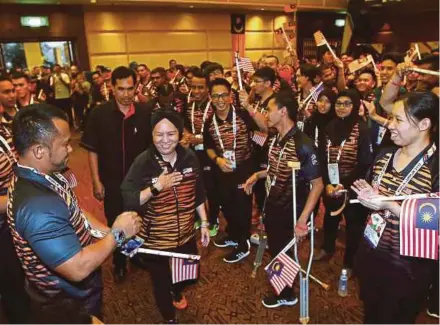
{"x": 223, "y": 96}
{"x": 344, "y": 104}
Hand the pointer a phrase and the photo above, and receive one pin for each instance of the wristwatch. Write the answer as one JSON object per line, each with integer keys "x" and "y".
{"x": 154, "y": 191}
{"x": 119, "y": 236}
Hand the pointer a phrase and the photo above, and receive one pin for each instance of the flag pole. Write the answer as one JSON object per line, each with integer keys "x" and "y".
{"x": 169, "y": 254}
{"x": 425, "y": 71}
{"x": 330, "y": 49}
{"x": 312, "y": 92}
{"x": 286, "y": 38}
{"x": 401, "y": 197}
{"x": 240, "y": 83}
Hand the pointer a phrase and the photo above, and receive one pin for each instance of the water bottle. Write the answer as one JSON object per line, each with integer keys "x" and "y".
{"x": 343, "y": 279}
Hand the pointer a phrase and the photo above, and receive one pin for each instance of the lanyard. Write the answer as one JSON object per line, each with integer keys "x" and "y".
{"x": 278, "y": 164}
{"x": 339, "y": 152}
{"x": 411, "y": 174}
{"x": 234, "y": 129}
{"x": 205, "y": 114}
{"x": 316, "y": 136}
{"x": 106, "y": 91}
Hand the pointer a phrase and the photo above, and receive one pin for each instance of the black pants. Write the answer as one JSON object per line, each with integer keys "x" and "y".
{"x": 114, "y": 206}
{"x": 355, "y": 216}
{"x": 211, "y": 185}
{"x": 14, "y": 299}
{"x": 236, "y": 204}
{"x": 279, "y": 230}
{"x": 160, "y": 271}
{"x": 66, "y": 105}
{"x": 79, "y": 106}
{"x": 433, "y": 296}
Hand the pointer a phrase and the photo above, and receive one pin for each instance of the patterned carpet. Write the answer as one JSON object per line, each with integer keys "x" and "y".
{"x": 225, "y": 293}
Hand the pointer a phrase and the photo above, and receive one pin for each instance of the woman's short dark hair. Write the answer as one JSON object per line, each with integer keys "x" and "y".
{"x": 123, "y": 73}
{"x": 34, "y": 125}
{"x": 421, "y": 105}
{"x": 285, "y": 99}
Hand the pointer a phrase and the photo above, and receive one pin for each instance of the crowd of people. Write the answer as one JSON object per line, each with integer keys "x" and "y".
{"x": 169, "y": 149}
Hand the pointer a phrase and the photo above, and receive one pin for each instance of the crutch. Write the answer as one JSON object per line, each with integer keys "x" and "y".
{"x": 303, "y": 280}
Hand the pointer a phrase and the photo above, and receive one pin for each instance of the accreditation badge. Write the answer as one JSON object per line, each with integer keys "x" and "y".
{"x": 333, "y": 173}
{"x": 230, "y": 155}
{"x": 374, "y": 229}
{"x": 380, "y": 134}
{"x": 199, "y": 147}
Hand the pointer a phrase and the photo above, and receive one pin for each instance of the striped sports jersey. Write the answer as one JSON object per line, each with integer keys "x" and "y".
{"x": 196, "y": 122}
{"x": 244, "y": 124}
{"x": 168, "y": 218}
{"x": 294, "y": 147}
{"x": 7, "y": 160}
{"x": 348, "y": 161}
{"x": 48, "y": 228}
{"x": 424, "y": 181}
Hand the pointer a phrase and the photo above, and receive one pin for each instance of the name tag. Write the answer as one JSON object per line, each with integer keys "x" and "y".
{"x": 380, "y": 135}
{"x": 333, "y": 173}
{"x": 230, "y": 155}
{"x": 374, "y": 229}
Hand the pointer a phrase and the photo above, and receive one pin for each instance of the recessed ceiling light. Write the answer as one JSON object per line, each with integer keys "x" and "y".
{"x": 262, "y": 8}
{"x": 191, "y": 7}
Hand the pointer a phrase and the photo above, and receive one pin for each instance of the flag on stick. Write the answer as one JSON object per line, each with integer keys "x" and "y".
{"x": 321, "y": 41}
{"x": 290, "y": 25}
{"x": 282, "y": 271}
{"x": 419, "y": 225}
{"x": 184, "y": 269}
{"x": 246, "y": 64}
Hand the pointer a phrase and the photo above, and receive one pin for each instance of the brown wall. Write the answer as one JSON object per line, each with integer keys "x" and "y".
{"x": 65, "y": 23}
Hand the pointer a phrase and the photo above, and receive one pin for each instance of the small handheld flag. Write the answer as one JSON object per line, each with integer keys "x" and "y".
{"x": 184, "y": 269}
{"x": 321, "y": 41}
{"x": 419, "y": 228}
{"x": 290, "y": 8}
{"x": 282, "y": 272}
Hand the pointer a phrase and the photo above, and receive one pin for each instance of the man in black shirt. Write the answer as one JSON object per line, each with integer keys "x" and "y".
{"x": 227, "y": 141}
{"x": 290, "y": 144}
{"x": 116, "y": 133}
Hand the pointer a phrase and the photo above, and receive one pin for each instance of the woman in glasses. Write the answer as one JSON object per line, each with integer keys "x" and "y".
{"x": 393, "y": 287}
{"x": 346, "y": 147}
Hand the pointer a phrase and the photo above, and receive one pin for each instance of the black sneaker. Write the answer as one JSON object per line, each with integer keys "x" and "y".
{"x": 275, "y": 301}
{"x": 225, "y": 242}
{"x": 238, "y": 253}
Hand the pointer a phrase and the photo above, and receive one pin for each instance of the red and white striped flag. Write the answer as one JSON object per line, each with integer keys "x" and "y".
{"x": 282, "y": 271}
{"x": 419, "y": 225}
{"x": 246, "y": 64}
{"x": 183, "y": 269}
{"x": 259, "y": 138}
{"x": 319, "y": 38}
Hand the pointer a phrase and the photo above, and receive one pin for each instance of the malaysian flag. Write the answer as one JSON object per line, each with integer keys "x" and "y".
{"x": 314, "y": 92}
{"x": 183, "y": 269}
{"x": 259, "y": 138}
{"x": 319, "y": 38}
{"x": 290, "y": 8}
{"x": 419, "y": 223}
{"x": 282, "y": 271}
{"x": 291, "y": 25}
{"x": 246, "y": 64}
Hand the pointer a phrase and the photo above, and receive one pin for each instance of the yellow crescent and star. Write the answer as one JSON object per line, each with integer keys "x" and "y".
{"x": 428, "y": 216}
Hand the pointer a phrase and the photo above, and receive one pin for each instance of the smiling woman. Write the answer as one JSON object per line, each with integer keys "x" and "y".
{"x": 393, "y": 287}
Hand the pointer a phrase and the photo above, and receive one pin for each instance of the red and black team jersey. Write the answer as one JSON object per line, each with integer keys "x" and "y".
{"x": 245, "y": 125}
{"x": 168, "y": 218}
{"x": 7, "y": 160}
{"x": 294, "y": 147}
{"x": 356, "y": 156}
{"x": 424, "y": 181}
{"x": 383, "y": 269}
{"x": 198, "y": 120}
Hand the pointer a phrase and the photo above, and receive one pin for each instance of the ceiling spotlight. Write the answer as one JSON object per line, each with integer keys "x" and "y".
{"x": 262, "y": 8}
{"x": 191, "y": 7}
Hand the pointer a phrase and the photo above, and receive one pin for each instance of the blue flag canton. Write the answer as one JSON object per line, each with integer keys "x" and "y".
{"x": 427, "y": 214}
{"x": 275, "y": 269}
{"x": 190, "y": 262}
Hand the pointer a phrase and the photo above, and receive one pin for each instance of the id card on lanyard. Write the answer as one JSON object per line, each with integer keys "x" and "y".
{"x": 380, "y": 134}
{"x": 199, "y": 147}
{"x": 228, "y": 154}
{"x": 333, "y": 168}
{"x": 376, "y": 223}
{"x": 272, "y": 181}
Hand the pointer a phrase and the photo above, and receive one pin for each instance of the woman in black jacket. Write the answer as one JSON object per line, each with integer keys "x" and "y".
{"x": 345, "y": 151}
